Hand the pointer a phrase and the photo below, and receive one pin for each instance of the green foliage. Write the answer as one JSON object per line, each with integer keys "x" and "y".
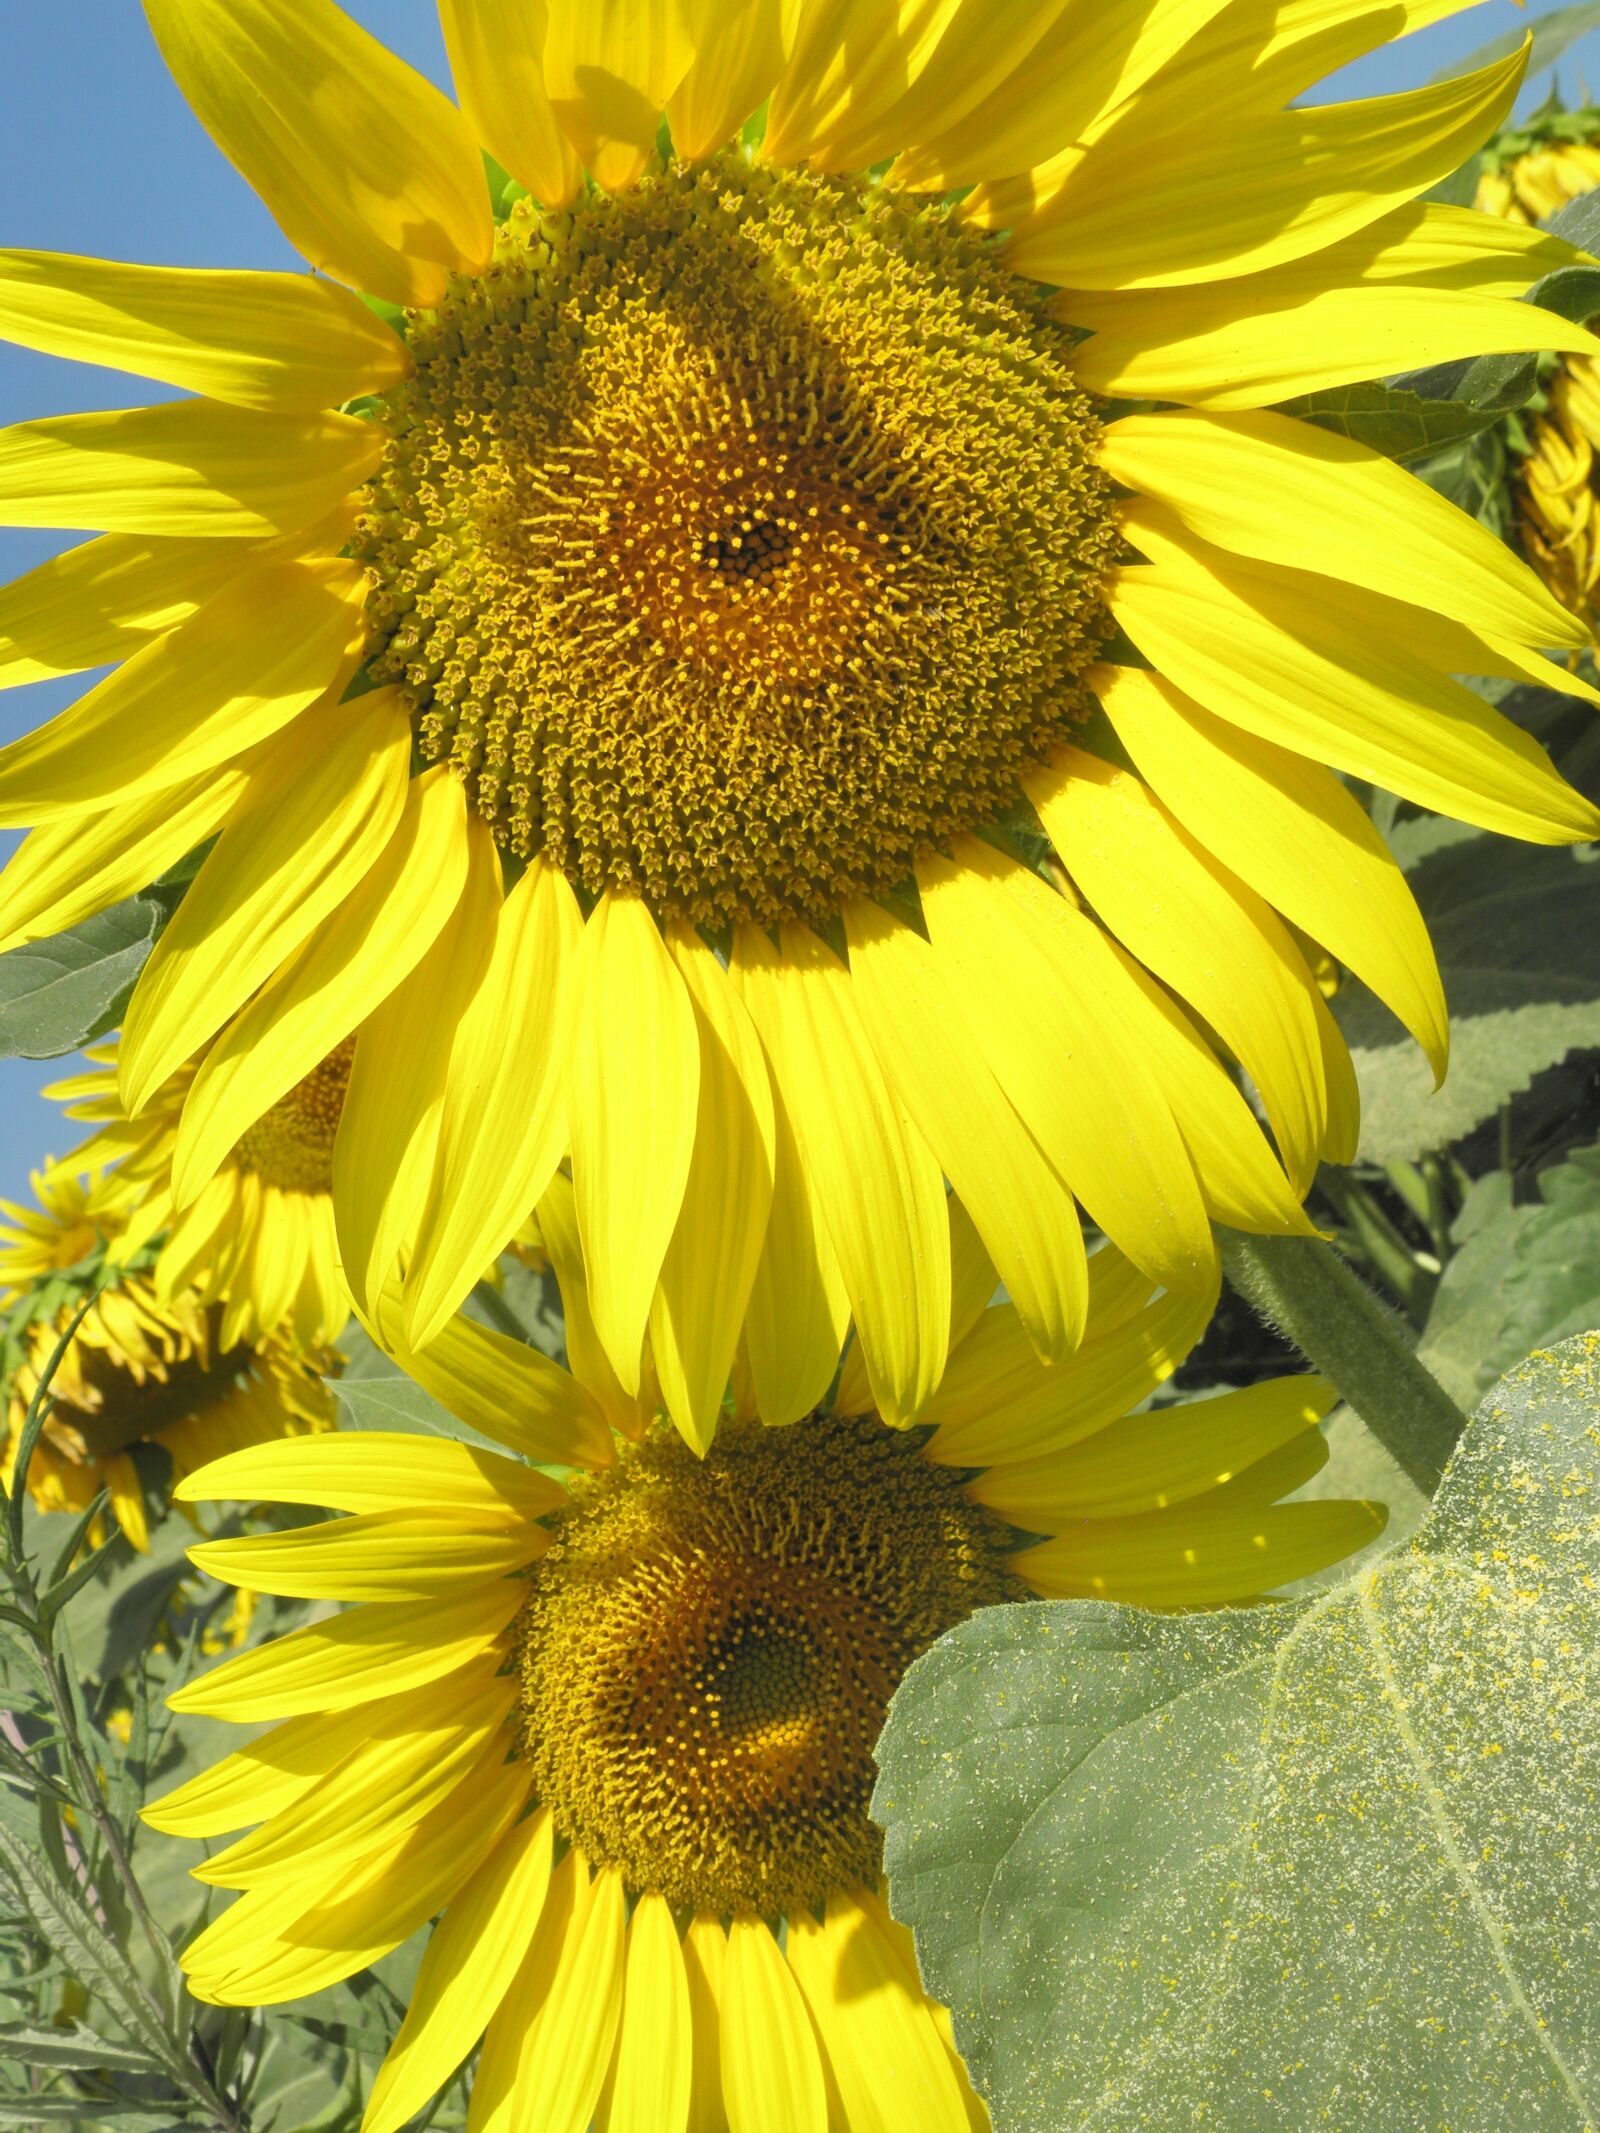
{"x": 1517, "y": 932}
{"x": 58, "y": 994}
{"x": 1521, "y": 1277}
{"x": 1333, "y": 1862}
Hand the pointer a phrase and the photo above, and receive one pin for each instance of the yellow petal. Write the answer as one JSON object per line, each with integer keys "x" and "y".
{"x": 504, "y": 1388}
{"x": 741, "y": 49}
{"x": 1202, "y": 1557}
{"x": 1268, "y": 187}
{"x": 710, "y": 1266}
{"x": 771, "y": 2073}
{"x": 388, "y": 1784}
{"x": 926, "y": 1048}
{"x": 632, "y": 1096}
{"x": 496, "y": 52}
{"x": 304, "y": 834}
{"x": 1292, "y": 831}
{"x": 502, "y": 1127}
{"x": 893, "y": 2071}
{"x": 1287, "y": 492}
{"x": 472, "y": 1956}
{"x": 185, "y": 468}
{"x": 1082, "y": 65}
{"x": 874, "y": 1177}
{"x": 254, "y": 340}
{"x": 389, "y": 1126}
{"x": 347, "y": 967}
{"x": 376, "y": 1470}
{"x": 290, "y": 1941}
{"x": 93, "y": 605}
{"x": 1062, "y": 1032}
{"x": 567, "y": 2045}
{"x": 999, "y": 1403}
{"x": 1203, "y": 934}
{"x": 79, "y": 864}
{"x": 369, "y": 172}
{"x": 375, "y": 1555}
{"x": 869, "y": 75}
{"x": 609, "y": 68}
{"x": 799, "y": 1311}
{"x": 495, "y": 2096}
{"x": 705, "y": 1960}
{"x": 272, "y": 1771}
{"x": 358, "y": 1657}
{"x": 1265, "y": 650}
{"x": 1148, "y": 1462}
{"x": 557, "y": 1214}
{"x": 655, "y": 2053}
{"x": 254, "y": 657}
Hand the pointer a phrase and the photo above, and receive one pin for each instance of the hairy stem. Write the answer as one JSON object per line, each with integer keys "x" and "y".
{"x": 1302, "y": 1286}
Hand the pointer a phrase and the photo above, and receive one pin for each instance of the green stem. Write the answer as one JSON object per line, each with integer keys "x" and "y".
{"x": 1302, "y": 1286}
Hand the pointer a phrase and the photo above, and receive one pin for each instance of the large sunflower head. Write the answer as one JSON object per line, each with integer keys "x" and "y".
{"x": 616, "y": 1731}
{"x": 148, "y": 1364}
{"x": 258, "y": 1238}
{"x": 790, "y": 654}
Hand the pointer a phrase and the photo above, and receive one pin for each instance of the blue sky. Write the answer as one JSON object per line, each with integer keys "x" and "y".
{"x": 99, "y": 154}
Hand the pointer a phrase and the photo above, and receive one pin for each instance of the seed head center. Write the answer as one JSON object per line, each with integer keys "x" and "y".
{"x": 708, "y": 1650}
{"x": 740, "y": 538}
{"x": 291, "y": 1145}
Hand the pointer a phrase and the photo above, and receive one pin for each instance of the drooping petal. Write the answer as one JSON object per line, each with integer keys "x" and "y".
{"x": 627, "y": 1412}
{"x": 254, "y": 340}
{"x": 184, "y": 468}
{"x": 376, "y": 1470}
{"x": 502, "y": 1126}
{"x": 799, "y": 1307}
{"x": 875, "y": 1178}
{"x": 493, "y": 2108}
{"x": 350, "y": 965}
{"x": 1198, "y": 1557}
{"x": 609, "y": 68}
{"x": 374, "y": 1555}
{"x": 1263, "y": 649}
{"x": 710, "y": 1265}
{"x": 368, "y": 170}
{"x": 472, "y": 1956}
{"x": 1290, "y": 829}
{"x": 705, "y": 1960}
{"x": 567, "y": 2045}
{"x": 877, "y": 2028}
{"x": 496, "y": 52}
{"x": 771, "y": 2073}
{"x": 1022, "y": 1210}
{"x": 311, "y": 822}
{"x": 1051, "y": 1009}
{"x": 389, "y": 1126}
{"x": 1204, "y": 934}
{"x": 632, "y": 1098}
{"x": 1281, "y": 491}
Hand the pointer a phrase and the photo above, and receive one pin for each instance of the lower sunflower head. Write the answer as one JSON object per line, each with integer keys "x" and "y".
{"x": 619, "y": 1731}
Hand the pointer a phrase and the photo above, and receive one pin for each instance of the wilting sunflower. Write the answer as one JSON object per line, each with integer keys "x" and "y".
{"x": 619, "y": 1733}
{"x": 258, "y": 1239}
{"x": 1531, "y": 173}
{"x": 753, "y": 542}
{"x": 145, "y": 1366}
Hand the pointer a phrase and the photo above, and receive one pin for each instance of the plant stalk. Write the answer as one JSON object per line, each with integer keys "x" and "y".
{"x": 1302, "y": 1286}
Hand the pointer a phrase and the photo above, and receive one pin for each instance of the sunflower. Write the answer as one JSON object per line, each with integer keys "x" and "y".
{"x": 258, "y": 1238}
{"x": 616, "y": 1732}
{"x": 1531, "y": 173}
{"x": 798, "y": 665}
{"x": 145, "y": 1366}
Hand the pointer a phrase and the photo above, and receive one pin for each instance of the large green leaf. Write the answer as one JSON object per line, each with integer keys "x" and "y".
{"x": 1328, "y": 1863}
{"x": 59, "y": 993}
{"x": 1517, "y": 930}
{"x": 1521, "y": 1278}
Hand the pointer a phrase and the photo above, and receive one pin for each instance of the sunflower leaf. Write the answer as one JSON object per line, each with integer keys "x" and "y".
{"x": 60, "y": 993}
{"x": 1327, "y": 1863}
